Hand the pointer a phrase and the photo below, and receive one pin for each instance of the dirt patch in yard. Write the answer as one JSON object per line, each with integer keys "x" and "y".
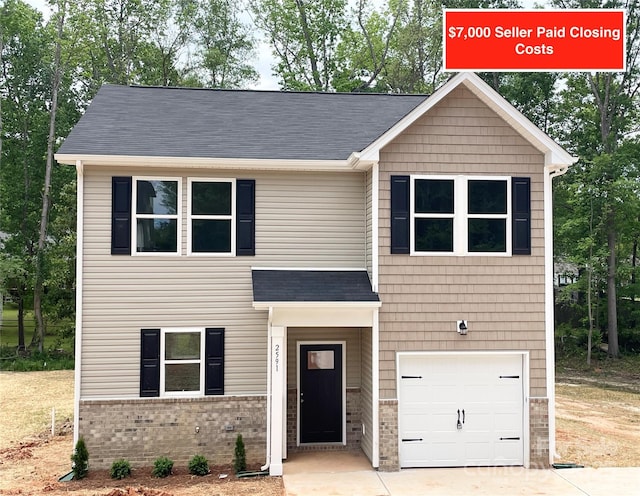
{"x": 31, "y": 461}
{"x": 33, "y": 467}
{"x": 596, "y": 426}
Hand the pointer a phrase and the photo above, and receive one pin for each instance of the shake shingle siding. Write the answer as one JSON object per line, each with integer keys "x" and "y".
{"x": 302, "y": 220}
{"x": 501, "y": 297}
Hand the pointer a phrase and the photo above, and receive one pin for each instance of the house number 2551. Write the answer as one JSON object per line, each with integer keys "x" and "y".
{"x": 276, "y": 360}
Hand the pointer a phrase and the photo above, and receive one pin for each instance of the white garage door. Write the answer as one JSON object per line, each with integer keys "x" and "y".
{"x": 461, "y": 410}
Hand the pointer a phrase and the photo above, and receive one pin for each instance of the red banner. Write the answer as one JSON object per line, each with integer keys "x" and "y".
{"x": 534, "y": 40}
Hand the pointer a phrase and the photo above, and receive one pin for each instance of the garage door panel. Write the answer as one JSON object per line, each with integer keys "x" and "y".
{"x": 489, "y": 388}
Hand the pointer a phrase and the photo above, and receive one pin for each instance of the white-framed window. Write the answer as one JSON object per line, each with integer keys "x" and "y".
{"x": 460, "y": 215}
{"x": 156, "y": 215}
{"x": 211, "y": 227}
{"x": 182, "y": 368}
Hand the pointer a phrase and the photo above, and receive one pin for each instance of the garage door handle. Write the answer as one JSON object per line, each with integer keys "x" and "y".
{"x": 406, "y": 440}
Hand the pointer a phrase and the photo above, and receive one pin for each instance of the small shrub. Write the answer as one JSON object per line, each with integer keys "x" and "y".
{"x": 162, "y": 467}
{"x": 198, "y": 465}
{"x": 80, "y": 460}
{"x": 240, "y": 457}
{"x": 120, "y": 469}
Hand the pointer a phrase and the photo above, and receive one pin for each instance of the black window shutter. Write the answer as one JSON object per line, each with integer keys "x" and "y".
{"x": 121, "y": 216}
{"x": 214, "y": 361}
{"x": 245, "y": 217}
{"x": 150, "y": 362}
{"x": 400, "y": 217}
{"x": 521, "y": 212}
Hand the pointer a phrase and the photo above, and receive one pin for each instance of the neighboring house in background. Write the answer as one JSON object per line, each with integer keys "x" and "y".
{"x": 313, "y": 271}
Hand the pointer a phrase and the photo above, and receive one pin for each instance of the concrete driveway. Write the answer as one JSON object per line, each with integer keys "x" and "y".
{"x": 349, "y": 474}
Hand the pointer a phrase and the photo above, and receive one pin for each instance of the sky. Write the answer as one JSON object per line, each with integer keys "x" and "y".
{"x": 264, "y": 59}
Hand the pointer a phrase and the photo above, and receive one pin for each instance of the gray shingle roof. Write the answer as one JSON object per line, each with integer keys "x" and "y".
{"x": 312, "y": 286}
{"x": 184, "y": 122}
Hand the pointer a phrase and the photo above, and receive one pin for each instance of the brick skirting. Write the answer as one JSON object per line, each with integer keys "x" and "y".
{"x": 539, "y": 432}
{"x": 142, "y": 430}
{"x": 389, "y": 456}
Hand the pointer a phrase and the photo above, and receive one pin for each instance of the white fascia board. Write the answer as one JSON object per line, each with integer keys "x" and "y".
{"x": 314, "y": 269}
{"x": 266, "y": 305}
{"x": 554, "y": 153}
{"x": 207, "y": 163}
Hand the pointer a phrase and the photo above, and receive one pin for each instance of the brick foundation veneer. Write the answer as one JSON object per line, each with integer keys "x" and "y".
{"x": 143, "y": 430}
{"x": 539, "y": 432}
{"x": 389, "y": 456}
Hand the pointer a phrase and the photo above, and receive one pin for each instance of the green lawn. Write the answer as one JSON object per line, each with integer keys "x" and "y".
{"x": 9, "y": 328}
{"x": 58, "y": 344}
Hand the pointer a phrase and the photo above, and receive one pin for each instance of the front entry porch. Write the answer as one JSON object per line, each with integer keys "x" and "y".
{"x": 322, "y": 380}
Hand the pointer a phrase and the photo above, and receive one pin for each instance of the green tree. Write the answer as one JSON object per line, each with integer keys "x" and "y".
{"x": 600, "y": 112}
{"x": 363, "y": 52}
{"x": 224, "y": 44}
{"x": 303, "y": 35}
{"x": 114, "y": 44}
{"x": 24, "y": 82}
{"x": 26, "y": 79}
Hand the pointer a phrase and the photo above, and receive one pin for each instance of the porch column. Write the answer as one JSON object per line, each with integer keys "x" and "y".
{"x": 278, "y": 357}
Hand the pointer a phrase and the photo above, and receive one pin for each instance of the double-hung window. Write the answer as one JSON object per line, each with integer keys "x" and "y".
{"x": 182, "y": 361}
{"x": 211, "y": 209}
{"x": 146, "y": 216}
{"x": 182, "y": 370}
{"x": 156, "y": 210}
{"x": 460, "y": 215}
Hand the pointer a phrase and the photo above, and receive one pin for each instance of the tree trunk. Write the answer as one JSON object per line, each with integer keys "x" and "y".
{"x": 1, "y": 35}
{"x": 39, "y": 279}
{"x": 313, "y": 60}
{"x": 612, "y": 311}
{"x": 590, "y": 287}
{"x": 21, "y": 346}
{"x": 590, "y": 313}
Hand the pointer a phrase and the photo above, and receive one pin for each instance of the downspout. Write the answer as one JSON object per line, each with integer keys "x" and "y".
{"x": 551, "y": 172}
{"x": 268, "y": 454}
{"x": 79, "y": 287}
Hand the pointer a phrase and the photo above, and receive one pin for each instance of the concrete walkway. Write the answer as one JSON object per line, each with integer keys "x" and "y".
{"x": 338, "y": 473}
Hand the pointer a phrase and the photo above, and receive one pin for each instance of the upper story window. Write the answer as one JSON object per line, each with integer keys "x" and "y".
{"x": 460, "y": 215}
{"x": 156, "y": 215}
{"x": 146, "y": 216}
{"x": 211, "y": 210}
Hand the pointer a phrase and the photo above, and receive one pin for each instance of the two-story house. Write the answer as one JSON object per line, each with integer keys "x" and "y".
{"x": 314, "y": 271}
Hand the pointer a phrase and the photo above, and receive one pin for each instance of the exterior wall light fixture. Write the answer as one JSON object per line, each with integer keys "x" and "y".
{"x": 462, "y": 327}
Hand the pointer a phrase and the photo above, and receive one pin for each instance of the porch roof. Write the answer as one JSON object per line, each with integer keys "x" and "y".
{"x": 308, "y": 286}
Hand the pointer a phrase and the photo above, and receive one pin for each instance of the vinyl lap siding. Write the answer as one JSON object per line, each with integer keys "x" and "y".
{"x": 501, "y": 297}
{"x": 302, "y": 220}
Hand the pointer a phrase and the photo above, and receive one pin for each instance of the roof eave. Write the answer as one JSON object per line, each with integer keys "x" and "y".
{"x": 265, "y": 305}
{"x": 206, "y": 162}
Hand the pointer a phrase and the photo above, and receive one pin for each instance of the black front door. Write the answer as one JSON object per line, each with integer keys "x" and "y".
{"x": 320, "y": 393}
